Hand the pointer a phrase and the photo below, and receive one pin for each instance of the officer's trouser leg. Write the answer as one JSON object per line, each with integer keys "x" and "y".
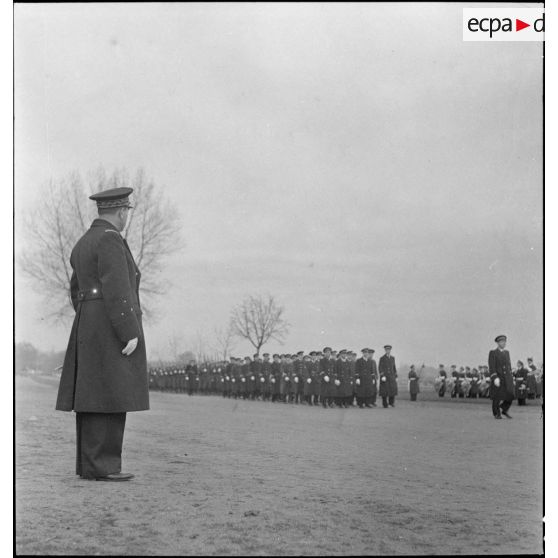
{"x": 99, "y": 439}
{"x": 392, "y": 401}
{"x": 384, "y": 400}
{"x": 505, "y": 405}
{"x": 495, "y": 407}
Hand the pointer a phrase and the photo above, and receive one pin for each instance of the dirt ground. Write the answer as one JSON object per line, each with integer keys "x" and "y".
{"x": 219, "y": 477}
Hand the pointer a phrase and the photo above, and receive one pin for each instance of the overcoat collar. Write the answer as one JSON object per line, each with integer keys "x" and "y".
{"x": 104, "y": 223}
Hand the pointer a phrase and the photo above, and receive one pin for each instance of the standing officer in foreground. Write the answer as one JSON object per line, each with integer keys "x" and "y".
{"x": 388, "y": 378}
{"x": 105, "y": 371}
{"x": 502, "y": 388}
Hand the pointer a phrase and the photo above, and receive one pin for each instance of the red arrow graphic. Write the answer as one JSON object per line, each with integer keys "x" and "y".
{"x": 519, "y": 25}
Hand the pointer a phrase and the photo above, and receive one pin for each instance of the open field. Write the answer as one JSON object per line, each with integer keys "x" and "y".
{"x": 217, "y": 476}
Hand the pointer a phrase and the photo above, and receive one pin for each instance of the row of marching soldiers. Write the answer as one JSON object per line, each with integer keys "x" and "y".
{"x": 327, "y": 378}
{"x": 475, "y": 383}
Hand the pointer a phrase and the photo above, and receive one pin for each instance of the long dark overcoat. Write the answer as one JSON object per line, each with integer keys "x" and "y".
{"x": 387, "y": 368}
{"x": 96, "y": 376}
{"x": 366, "y": 372}
{"x": 414, "y": 387}
{"x": 499, "y": 366}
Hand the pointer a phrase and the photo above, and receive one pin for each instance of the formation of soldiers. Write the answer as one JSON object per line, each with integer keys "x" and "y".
{"x": 475, "y": 383}
{"x": 330, "y": 378}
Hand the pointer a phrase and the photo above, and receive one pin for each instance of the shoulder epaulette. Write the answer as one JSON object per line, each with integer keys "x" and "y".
{"x": 112, "y": 230}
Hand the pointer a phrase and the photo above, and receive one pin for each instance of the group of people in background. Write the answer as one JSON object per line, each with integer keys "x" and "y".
{"x": 474, "y": 383}
{"x": 328, "y": 378}
{"x": 331, "y": 379}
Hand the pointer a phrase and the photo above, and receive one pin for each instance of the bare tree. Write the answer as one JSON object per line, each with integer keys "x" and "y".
{"x": 224, "y": 341}
{"x": 259, "y": 319}
{"x": 65, "y": 213}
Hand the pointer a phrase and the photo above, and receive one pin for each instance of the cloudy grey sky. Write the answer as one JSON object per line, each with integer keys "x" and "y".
{"x": 378, "y": 175}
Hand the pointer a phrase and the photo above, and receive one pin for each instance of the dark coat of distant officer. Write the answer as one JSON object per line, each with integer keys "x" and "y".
{"x": 387, "y": 368}
{"x": 366, "y": 373}
{"x": 499, "y": 365}
{"x": 96, "y": 376}
{"x": 327, "y": 369}
{"x": 414, "y": 387}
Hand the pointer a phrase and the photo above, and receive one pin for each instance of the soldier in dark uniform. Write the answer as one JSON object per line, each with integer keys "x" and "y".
{"x": 275, "y": 378}
{"x": 257, "y": 374}
{"x": 365, "y": 379}
{"x": 442, "y": 379}
{"x": 520, "y": 379}
{"x": 502, "y": 388}
{"x": 388, "y": 378}
{"x": 316, "y": 359}
{"x": 266, "y": 372}
{"x": 104, "y": 375}
{"x": 350, "y": 386}
{"x": 374, "y": 388}
{"x": 341, "y": 379}
{"x": 298, "y": 377}
{"x": 327, "y": 372}
{"x": 413, "y": 383}
{"x": 251, "y": 384}
{"x": 314, "y": 372}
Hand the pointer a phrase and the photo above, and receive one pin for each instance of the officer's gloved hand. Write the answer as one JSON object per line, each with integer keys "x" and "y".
{"x": 497, "y": 382}
{"x": 383, "y": 378}
{"x": 130, "y": 347}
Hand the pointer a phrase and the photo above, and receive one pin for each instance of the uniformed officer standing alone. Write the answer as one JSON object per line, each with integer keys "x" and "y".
{"x": 104, "y": 375}
{"x": 502, "y": 388}
{"x": 388, "y": 378}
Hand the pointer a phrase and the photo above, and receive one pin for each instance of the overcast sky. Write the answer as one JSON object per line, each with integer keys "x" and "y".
{"x": 378, "y": 175}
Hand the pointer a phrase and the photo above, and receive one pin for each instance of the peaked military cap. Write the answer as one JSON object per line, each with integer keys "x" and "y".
{"x": 115, "y": 197}
{"x": 300, "y": 353}
{"x": 327, "y": 349}
{"x": 266, "y": 354}
{"x": 501, "y": 338}
{"x": 364, "y": 350}
{"x": 387, "y": 347}
{"x": 371, "y": 351}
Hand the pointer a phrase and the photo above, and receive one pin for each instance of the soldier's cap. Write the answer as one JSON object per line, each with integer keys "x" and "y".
{"x": 312, "y": 353}
{"x": 364, "y": 350}
{"x": 325, "y": 349}
{"x": 266, "y": 354}
{"x": 500, "y": 338}
{"x": 453, "y": 366}
{"x": 247, "y": 358}
{"x": 300, "y": 353}
{"x": 342, "y": 352}
{"x": 115, "y": 197}
{"x": 256, "y": 355}
{"x": 371, "y": 351}
{"x": 386, "y": 347}
{"x": 519, "y": 362}
{"x": 441, "y": 365}
{"x": 530, "y": 359}
{"x": 276, "y": 356}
